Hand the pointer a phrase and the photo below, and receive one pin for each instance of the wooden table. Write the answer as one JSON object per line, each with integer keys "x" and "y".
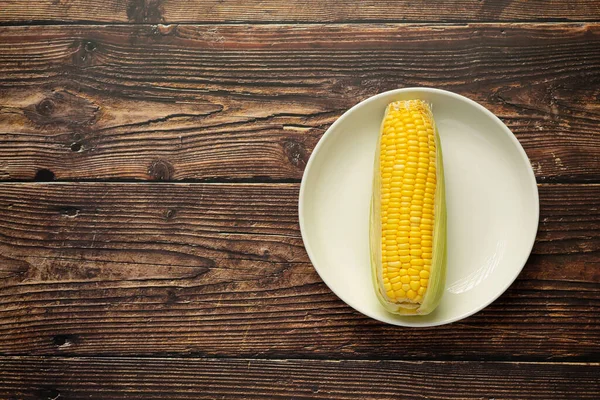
{"x": 150, "y": 159}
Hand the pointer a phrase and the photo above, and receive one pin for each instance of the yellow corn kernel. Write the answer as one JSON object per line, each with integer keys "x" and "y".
{"x": 407, "y": 175}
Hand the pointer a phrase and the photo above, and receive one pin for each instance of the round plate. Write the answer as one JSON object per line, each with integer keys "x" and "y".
{"x": 491, "y": 199}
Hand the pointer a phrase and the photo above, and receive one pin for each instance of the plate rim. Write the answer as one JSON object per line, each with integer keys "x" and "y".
{"x": 507, "y": 131}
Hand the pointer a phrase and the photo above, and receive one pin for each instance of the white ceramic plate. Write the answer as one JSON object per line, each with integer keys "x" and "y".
{"x": 491, "y": 195}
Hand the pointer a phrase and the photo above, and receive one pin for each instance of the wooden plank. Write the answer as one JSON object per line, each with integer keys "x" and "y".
{"x": 250, "y": 102}
{"x": 220, "y": 270}
{"x": 142, "y": 378}
{"x": 155, "y": 11}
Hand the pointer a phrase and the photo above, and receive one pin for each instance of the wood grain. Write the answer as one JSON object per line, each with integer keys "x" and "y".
{"x": 117, "y": 378}
{"x": 270, "y": 11}
{"x": 248, "y": 102}
{"x": 219, "y": 270}
{"x": 181, "y": 290}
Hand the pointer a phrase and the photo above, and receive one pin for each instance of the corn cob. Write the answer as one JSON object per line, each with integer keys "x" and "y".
{"x": 408, "y": 211}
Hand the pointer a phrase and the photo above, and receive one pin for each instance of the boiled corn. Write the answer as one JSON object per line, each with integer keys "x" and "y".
{"x": 408, "y": 213}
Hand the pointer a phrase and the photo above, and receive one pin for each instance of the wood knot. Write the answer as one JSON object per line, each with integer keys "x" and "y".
{"x": 45, "y": 107}
{"x": 68, "y": 211}
{"x": 295, "y": 152}
{"x": 172, "y": 297}
{"x": 76, "y": 147}
{"x": 62, "y": 108}
{"x": 89, "y": 46}
{"x": 145, "y": 11}
{"x": 64, "y": 340}
{"x": 44, "y": 175}
{"x": 48, "y": 393}
{"x": 160, "y": 170}
{"x": 170, "y": 214}
{"x": 164, "y": 30}
{"x": 83, "y": 56}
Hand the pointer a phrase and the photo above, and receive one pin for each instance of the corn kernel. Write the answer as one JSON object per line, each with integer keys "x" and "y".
{"x": 408, "y": 178}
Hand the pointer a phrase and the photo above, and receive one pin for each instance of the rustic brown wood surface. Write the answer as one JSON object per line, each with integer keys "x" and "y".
{"x": 143, "y": 378}
{"x": 115, "y": 285}
{"x": 220, "y": 270}
{"x": 273, "y": 11}
{"x": 138, "y": 102}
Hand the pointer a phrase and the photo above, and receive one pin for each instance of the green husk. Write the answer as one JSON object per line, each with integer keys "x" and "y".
{"x": 437, "y": 278}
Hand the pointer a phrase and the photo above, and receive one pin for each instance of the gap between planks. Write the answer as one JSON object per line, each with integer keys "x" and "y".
{"x": 550, "y": 22}
{"x": 236, "y": 181}
{"x": 182, "y": 357}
